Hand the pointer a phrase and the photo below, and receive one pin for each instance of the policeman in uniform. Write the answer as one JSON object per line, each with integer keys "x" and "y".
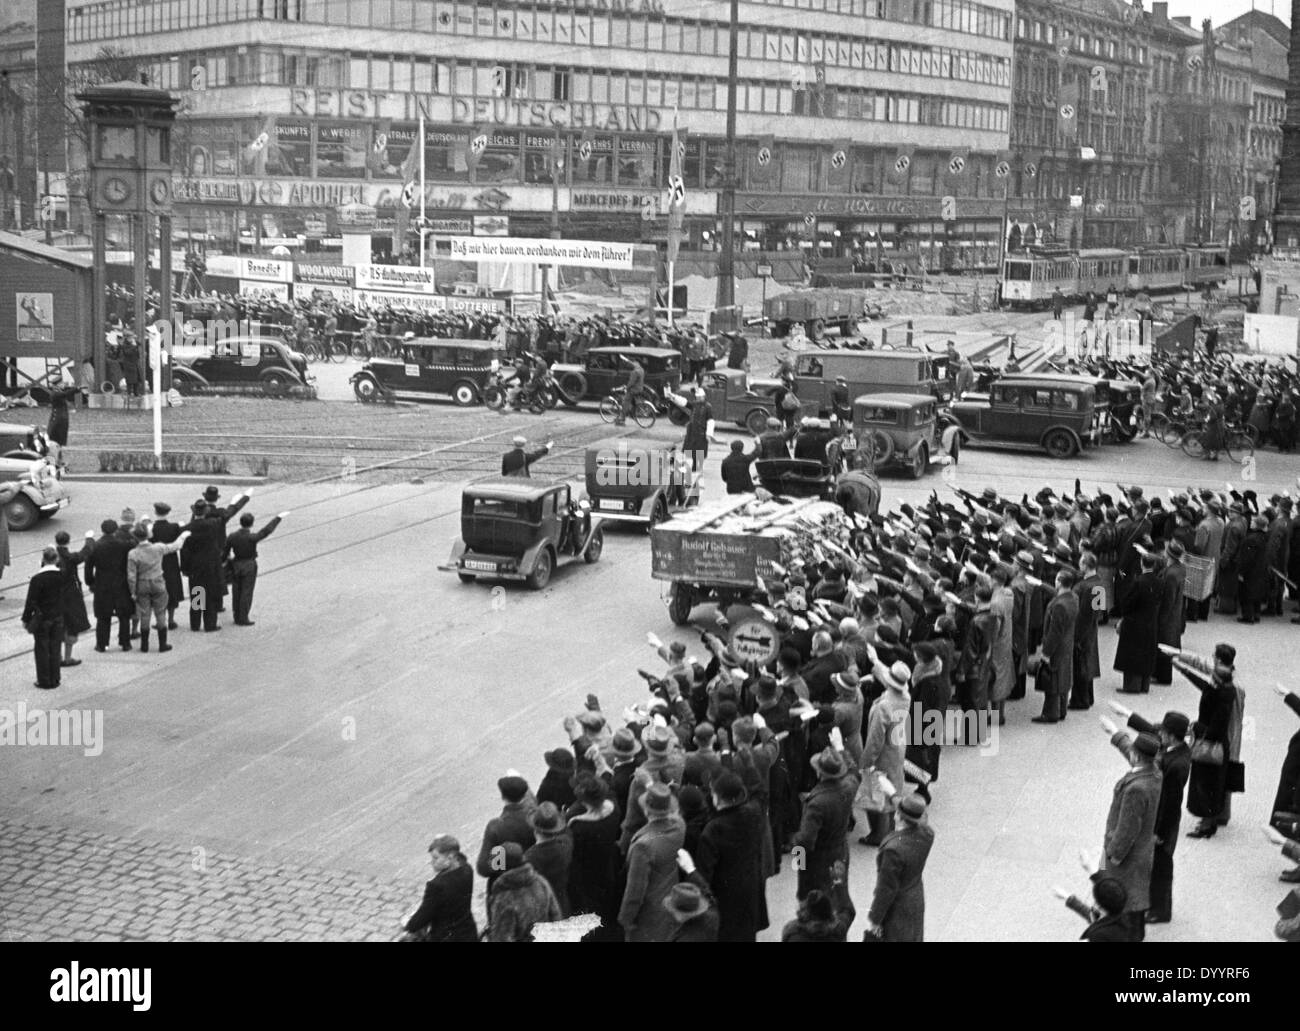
{"x": 241, "y": 547}
{"x": 517, "y": 461}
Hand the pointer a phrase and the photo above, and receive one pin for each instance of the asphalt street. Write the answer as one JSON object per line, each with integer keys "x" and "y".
{"x": 283, "y": 781}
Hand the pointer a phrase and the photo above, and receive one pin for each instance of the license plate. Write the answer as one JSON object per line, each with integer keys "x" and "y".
{"x": 487, "y": 567}
{"x": 615, "y": 506}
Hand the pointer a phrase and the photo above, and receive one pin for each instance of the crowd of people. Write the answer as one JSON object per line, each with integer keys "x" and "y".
{"x": 911, "y": 634}
{"x": 134, "y": 572}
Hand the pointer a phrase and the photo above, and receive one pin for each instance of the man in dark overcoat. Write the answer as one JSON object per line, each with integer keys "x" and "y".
{"x": 1170, "y": 620}
{"x": 1128, "y": 850}
{"x": 106, "y": 577}
{"x": 729, "y": 857}
{"x": 1135, "y": 656}
{"x": 1058, "y": 648}
{"x": 897, "y": 911}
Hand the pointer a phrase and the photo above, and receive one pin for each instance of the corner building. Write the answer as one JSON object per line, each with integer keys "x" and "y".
{"x": 335, "y": 88}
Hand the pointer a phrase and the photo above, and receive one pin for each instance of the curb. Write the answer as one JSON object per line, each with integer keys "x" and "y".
{"x": 143, "y": 477}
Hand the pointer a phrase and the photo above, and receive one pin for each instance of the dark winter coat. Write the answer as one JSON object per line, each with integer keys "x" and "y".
{"x": 1058, "y": 640}
{"x": 519, "y": 899}
{"x": 596, "y": 868}
{"x": 106, "y": 575}
{"x": 1140, "y": 612}
{"x": 1252, "y": 569}
{"x": 1130, "y": 843}
{"x": 1087, "y": 591}
{"x": 730, "y": 860}
{"x": 75, "y": 618}
{"x": 823, "y": 834}
{"x": 1169, "y": 624}
{"x": 898, "y": 905}
{"x": 444, "y": 915}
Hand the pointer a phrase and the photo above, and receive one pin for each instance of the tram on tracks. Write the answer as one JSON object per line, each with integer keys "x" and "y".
{"x": 1030, "y": 278}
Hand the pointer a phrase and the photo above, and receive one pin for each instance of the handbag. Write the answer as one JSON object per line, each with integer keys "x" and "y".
{"x": 1207, "y": 753}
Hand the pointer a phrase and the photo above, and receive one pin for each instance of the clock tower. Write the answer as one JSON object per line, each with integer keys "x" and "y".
{"x": 129, "y": 166}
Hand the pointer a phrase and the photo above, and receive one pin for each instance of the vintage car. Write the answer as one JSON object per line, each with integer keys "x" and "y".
{"x": 1116, "y": 400}
{"x": 602, "y": 370}
{"x": 41, "y": 490}
{"x": 1057, "y": 413}
{"x": 517, "y": 528}
{"x": 908, "y": 371}
{"x": 244, "y": 363}
{"x": 425, "y": 366}
{"x": 898, "y": 428}
{"x": 639, "y": 480}
{"x": 738, "y": 400}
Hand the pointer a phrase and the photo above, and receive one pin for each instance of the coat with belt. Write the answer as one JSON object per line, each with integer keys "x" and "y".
{"x": 1058, "y": 640}
{"x": 75, "y": 618}
{"x": 651, "y": 874}
{"x": 1140, "y": 614}
{"x": 977, "y": 653}
{"x": 106, "y": 575}
{"x": 1129, "y": 845}
{"x": 1003, "y": 659}
{"x": 1090, "y": 593}
{"x": 444, "y": 915}
{"x": 729, "y": 857}
{"x": 898, "y": 905}
{"x": 886, "y": 741}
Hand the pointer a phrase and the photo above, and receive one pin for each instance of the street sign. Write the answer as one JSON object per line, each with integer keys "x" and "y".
{"x": 764, "y": 270}
{"x": 752, "y": 637}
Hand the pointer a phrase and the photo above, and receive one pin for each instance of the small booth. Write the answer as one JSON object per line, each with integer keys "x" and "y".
{"x": 46, "y": 311}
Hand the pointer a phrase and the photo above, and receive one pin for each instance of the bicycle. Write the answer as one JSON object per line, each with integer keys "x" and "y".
{"x": 643, "y": 410}
{"x": 1236, "y": 445}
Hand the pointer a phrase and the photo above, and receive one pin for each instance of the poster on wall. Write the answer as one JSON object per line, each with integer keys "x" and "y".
{"x": 341, "y": 151}
{"x": 35, "y": 314}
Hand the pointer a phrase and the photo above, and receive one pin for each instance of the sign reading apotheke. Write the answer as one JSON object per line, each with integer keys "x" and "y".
{"x": 577, "y": 253}
{"x": 404, "y": 278}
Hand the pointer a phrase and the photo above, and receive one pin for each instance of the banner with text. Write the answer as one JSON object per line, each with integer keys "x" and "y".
{"x": 577, "y": 253}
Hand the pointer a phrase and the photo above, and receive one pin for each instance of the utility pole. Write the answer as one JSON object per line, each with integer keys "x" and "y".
{"x": 726, "y": 296}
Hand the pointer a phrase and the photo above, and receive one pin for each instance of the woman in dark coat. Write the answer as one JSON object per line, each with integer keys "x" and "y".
{"x": 1207, "y": 786}
{"x": 931, "y": 692}
{"x": 75, "y": 619}
{"x": 57, "y": 428}
{"x": 1139, "y": 610}
{"x": 1252, "y": 571}
{"x": 444, "y": 914}
{"x": 595, "y": 871}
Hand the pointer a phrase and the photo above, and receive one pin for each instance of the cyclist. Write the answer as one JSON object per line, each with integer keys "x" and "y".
{"x": 635, "y": 388}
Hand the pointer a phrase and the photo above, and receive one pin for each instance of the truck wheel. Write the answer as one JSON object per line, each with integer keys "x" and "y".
{"x": 756, "y": 421}
{"x": 21, "y": 513}
{"x": 597, "y": 545}
{"x": 680, "y": 603}
{"x": 920, "y": 461}
{"x": 542, "y": 569}
{"x": 658, "y": 514}
{"x": 464, "y": 394}
{"x": 1060, "y": 444}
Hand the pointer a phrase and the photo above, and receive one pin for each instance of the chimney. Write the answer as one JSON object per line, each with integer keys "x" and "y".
{"x": 1160, "y": 11}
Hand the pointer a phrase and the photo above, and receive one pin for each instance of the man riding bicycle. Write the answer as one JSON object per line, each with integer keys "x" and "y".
{"x": 635, "y": 388}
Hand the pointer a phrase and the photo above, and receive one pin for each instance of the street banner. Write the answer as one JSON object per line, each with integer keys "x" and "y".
{"x": 837, "y": 170}
{"x": 676, "y": 192}
{"x": 1030, "y": 163}
{"x": 898, "y": 171}
{"x": 575, "y": 253}
{"x": 1067, "y": 110}
{"x": 764, "y": 161}
{"x": 954, "y": 171}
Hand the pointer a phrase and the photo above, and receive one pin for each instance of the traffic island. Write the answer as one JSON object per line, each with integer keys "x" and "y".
{"x": 182, "y": 463}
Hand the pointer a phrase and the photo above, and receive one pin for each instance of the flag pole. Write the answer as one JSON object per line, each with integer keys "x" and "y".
{"x": 420, "y": 144}
{"x": 671, "y": 260}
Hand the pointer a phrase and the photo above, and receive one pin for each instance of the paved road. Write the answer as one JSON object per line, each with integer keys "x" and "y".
{"x": 283, "y": 780}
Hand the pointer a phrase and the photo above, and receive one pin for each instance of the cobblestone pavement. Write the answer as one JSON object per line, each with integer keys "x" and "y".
{"x": 72, "y": 882}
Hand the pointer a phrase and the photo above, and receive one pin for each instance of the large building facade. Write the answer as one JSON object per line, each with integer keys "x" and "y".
{"x": 294, "y": 108}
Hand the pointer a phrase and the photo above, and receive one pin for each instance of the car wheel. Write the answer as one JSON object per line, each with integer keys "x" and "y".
{"x": 658, "y": 514}
{"x": 466, "y": 578}
{"x": 464, "y": 394}
{"x": 597, "y": 545}
{"x": 274, "y": 384}
{"x": 680, "y": 603}
{"x": 756, "y": 421}
{"x": 542, "y": 569}
{"x": 573, "y": 388}
{"x": 20, "y": 513}
{"x": 366, "y": 389}
{"x": 920, "y": 461}
{"x": 183, "y": 385}
{"x": 1060, "y": 444}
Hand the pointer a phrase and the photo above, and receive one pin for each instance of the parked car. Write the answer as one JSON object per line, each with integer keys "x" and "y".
{"x": 639, "y": 480}
{"x": 909, "y": 371}
{"x": 515, "y": 528}
{"x": 900, "y": 429}
{"x": 40, "y": 491}
{"x": 739, "y": 400}
{"x": 429, "y": 366}
{"x": 1057, "y": 413}
{"x": 19, "y": 440}
{"x": 602, "y": 370}
{"x": 245, "y": 363}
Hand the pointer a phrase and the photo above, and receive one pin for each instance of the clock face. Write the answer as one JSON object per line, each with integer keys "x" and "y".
{"x": 158, "y": 190}
{"x": 117, "y": 190}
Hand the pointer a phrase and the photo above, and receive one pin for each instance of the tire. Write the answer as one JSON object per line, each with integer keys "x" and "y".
{"x": 358, "y": 350}
{"x": 1060, "y": 444}
{"x": 680, "y": 603}
{"x": 920, "y": 462}
{"x": 541, "y": 401}
{"x": 311, "y": 352}
{"x": 573, "y": 388}
{"x": 183, "y": 385}
{"x": 494, "y": 397}
{"x": 756, "y": 421}
{"x": 366, "y": 389}
{"x": 466, "y": 578}
{"x": 339, "y": 352}
{"x": 21, "y": 513}
{"x": 643, "y": 414}
{"x": 658, "y": 514}
{"x": 594, "y": 549}
{"x": 1193, "y": 445}
{"x": 464, "y": 393}
{"x": 815, "y": 327}
{"x": 1239, "y": 446}
{"x": 542, "y": 570}
{"x": 882, "y": 445}
{"x": 1171, "y": 434}
{"x": 609, "y": 408}
{"x": 274, "y": 384}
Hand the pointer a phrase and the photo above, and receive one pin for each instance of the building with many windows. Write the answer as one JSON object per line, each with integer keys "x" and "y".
{"x": 864, "y": 127}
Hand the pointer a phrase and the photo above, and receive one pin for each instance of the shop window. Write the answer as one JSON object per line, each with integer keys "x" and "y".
{"x": 500, "y": 161}
{"x": 341, "y": 151}
{"x": 599, "y": 166}
{"x": 637, "y": 161}
{"x": 445, "y": 154}
{"x": 798, "y": 167}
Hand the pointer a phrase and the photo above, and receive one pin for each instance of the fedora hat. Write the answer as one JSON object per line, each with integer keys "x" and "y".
{"x": 624, "y": 743}
{"x": 896, "y": 677}
{"x": 846, "y": 682}
{"x": 547, "y": 819}
{"x": 657, "y": 740}
{"x": 828, "y": 764}
{"x": 657, "y": 800}
{"x": 560, "y": 760}
{"x": 685, "y": 902}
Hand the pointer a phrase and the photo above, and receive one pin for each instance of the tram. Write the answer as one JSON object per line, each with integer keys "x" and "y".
{"x": 1029, "y": 279}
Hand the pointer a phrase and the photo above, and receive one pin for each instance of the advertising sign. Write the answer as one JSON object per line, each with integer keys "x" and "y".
{"x": 576, "y": 253}
{"x": 35, "y": 314}
{"x": 404, "y": 278}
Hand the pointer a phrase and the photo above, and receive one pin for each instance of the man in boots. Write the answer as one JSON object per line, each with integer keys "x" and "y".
{"x": 147, "y": 584}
